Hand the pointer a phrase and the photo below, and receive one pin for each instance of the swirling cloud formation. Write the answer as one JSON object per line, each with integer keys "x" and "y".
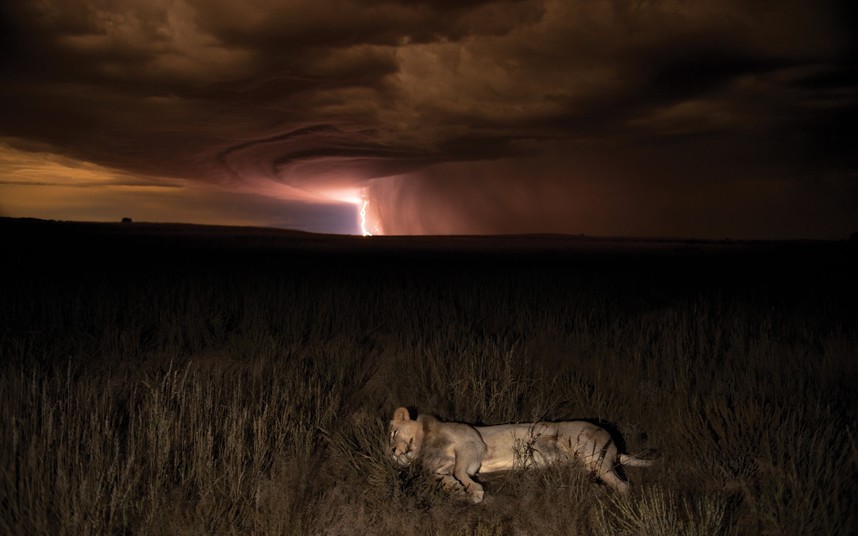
{"x": 718, "y": 118}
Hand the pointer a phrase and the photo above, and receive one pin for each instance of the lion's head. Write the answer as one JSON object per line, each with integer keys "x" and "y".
{"x": 406, "y": 437}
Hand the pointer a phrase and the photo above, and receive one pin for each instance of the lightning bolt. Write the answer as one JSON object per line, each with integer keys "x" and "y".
{"x": 363, "y": 230}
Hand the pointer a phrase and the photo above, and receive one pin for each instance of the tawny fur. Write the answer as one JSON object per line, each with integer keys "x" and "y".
{"x": 453, "y": 452}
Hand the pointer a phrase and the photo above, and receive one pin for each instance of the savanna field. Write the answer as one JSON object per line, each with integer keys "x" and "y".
{"x": 187, "y": 380}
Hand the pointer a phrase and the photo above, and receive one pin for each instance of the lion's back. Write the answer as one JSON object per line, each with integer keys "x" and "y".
{"x": 519, "y": 445}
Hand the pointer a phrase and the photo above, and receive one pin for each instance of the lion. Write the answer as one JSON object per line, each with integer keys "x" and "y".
{"x": 454, "y": 452}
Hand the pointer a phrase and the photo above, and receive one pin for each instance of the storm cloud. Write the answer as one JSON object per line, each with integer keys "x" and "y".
{"x": 719, "y": 118}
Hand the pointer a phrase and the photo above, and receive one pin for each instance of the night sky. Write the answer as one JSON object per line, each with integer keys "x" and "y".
{"x": 709, "y": 119}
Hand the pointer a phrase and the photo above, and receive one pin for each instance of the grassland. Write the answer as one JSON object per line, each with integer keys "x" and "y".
{"x": 177, "y": 380}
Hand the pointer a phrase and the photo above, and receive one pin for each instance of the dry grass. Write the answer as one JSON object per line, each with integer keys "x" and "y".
{"x": 255, "y": 400}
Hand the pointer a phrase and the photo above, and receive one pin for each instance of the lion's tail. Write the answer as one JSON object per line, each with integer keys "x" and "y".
{"x": 634, "y": 461}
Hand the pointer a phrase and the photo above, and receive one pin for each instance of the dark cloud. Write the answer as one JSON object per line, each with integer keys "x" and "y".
{"x": 657, "y": 117}
{"x": 308, "y": 24}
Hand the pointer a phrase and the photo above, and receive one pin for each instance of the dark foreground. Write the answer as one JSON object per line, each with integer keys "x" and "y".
{"x": 184, "y": 379}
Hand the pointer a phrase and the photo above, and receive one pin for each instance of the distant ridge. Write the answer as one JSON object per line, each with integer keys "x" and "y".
{"x": 163, "y": 227}
{"x": 503, "y": 241}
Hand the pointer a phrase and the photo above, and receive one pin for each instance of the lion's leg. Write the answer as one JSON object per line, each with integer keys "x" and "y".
{"x": 473, "y": 488}
{"x": 448, "y": 482}
{"x": 610, "y": 478}
{"x": 600, "y": 455}
{"x": 468, "y": 459}
{"x": 454, "y": 478}
{"x": 601, "y": 465}
{"x": 461, "y": 482}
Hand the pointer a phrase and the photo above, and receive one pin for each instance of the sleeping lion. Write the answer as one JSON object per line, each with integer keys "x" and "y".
{"x": 453, "y": 452}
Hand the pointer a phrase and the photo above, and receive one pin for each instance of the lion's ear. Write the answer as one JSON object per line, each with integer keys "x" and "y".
{"x": 401, "y": 415}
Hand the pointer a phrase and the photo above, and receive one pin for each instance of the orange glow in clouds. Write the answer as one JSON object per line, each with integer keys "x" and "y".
{"x": 368, "y": 220}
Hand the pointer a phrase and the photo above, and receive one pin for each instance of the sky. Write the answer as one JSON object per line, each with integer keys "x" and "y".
{"x": 707, "y": 119}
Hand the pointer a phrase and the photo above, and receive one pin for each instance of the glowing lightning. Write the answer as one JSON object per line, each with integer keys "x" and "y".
{"x": 363, "y": 229}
